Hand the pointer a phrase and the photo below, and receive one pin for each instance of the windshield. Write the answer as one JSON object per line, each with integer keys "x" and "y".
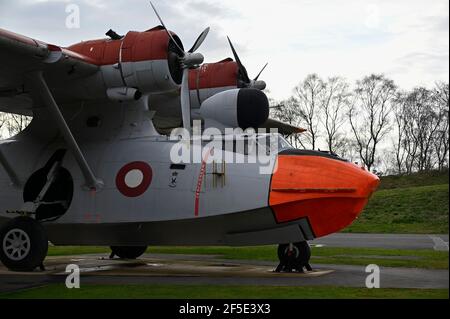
{"x": 251, "y": 144}
{"x": 273, "y": 142}
{"x": 283, "y": 143}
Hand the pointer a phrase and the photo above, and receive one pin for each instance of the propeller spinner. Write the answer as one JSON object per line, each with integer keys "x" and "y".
{"x": 188, "y": 60}
{"x": 243, "y": 75}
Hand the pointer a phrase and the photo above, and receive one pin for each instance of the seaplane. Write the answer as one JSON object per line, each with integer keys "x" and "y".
{"x": 135, "y": 141}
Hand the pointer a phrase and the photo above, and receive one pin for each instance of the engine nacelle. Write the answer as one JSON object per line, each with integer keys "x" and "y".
{"x": 147, "y": 61}
{"x": 242, "y": 108}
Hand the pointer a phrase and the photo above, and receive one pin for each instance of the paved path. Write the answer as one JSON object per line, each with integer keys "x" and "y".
{"x": 399, "y": 241}
{"x": 209, "y": 270}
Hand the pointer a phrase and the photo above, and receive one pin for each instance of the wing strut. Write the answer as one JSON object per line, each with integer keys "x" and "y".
{"x": 38, "y": 80}
{"x": 9, "y": 170}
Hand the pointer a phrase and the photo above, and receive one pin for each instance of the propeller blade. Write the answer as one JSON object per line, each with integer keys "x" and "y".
{"x": 199, "y": 40}
{"x": 244, "y": 73}
{"x": 185, "y": 100}
{"x": 188, "y": 60}
{"x": 256, "y": 79}
{"x": 167, "y": 31}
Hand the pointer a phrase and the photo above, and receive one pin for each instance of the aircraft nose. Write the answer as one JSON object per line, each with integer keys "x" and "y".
{"x": 374, "y": 182}
{"x": 326, "y": 190}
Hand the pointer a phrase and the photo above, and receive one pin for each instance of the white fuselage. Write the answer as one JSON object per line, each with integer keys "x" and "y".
{"x": 191, "y": 192}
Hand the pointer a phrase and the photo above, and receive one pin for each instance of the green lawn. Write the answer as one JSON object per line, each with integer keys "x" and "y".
{"x": 422, "y": 209}
{"x": 416, "y": 203}
{"x": 216, "y": 291}
{"x": 321, "y": 255}
{"x": 414, "y": 180}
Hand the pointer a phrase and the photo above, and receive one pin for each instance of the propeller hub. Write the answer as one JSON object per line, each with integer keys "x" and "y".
{"x": 258, "y": 84}
{"x": 243, "y": 78}
{"x": 192, "y": 60}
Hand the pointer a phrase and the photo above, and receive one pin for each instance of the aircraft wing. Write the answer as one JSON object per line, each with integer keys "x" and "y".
{"x": 20, "y": 55}
{"x": 283, "y": 128}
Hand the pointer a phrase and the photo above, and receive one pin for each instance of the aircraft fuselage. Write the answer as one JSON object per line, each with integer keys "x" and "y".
{"x": 146, "y": 199}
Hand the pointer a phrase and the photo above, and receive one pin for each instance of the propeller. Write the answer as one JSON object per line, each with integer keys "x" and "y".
{"x": 243, "y": 75}
{"x": 188, "y": 60}
{"x": 264, "y": 67}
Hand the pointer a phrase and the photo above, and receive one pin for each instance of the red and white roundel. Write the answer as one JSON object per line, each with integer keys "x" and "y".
{"x": 134, "y": 179}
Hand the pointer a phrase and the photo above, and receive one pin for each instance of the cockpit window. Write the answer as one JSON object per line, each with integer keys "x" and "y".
{"x": 267, "y": 144}
{"x": 283, "y": 143}
{"x": 274, "y": 143}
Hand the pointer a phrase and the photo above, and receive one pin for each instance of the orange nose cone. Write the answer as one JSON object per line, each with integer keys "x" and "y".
{"x": 329, "y": 192}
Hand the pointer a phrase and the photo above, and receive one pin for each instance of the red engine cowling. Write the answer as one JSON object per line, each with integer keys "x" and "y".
{"x": 212, "y": 78}
{"x": 146, "y": 60}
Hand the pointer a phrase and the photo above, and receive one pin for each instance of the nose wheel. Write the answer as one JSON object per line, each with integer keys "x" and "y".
{"x": 294, "y": 257}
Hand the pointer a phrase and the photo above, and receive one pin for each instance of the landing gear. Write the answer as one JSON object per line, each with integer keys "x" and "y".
{"x": 24, "y": 244}
{"x": 127, "y": 252}
{"x": 49, "y": 191}
{"x": 294, "y": 257}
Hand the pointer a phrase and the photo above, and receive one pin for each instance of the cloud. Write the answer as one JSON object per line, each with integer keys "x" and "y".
{"x": 210, "y": 9}
{"x": 405, "y": 39}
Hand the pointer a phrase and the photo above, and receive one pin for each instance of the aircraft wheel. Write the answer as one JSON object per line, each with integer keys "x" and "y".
{"x": 294, "y": 257}
{"x": 128, "y": 252}
{"x": 24, "y": 244}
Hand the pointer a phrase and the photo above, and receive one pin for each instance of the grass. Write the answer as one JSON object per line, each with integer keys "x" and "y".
{"x": 413, "y": 204}
{"x": 55, "y": 291}
{"x": 429, "y": 259}
{"x": 422, "y": 209}
{"x": 414, "y": 180}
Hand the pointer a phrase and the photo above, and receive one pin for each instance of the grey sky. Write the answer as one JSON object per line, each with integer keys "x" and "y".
{"x": 405, "y": 39}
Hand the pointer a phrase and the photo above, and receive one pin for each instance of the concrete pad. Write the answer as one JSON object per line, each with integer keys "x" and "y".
{"x": 166, "y": 269}
{"x": 150, "y": 265}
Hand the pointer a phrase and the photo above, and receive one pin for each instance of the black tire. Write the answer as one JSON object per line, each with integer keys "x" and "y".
{"x": 31, "y": 252}
{"x": 300, "y": 255}
{"x": 128, "y": 252}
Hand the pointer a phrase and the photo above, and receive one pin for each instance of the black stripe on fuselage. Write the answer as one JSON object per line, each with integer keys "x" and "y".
{"x": 298, "y": 152}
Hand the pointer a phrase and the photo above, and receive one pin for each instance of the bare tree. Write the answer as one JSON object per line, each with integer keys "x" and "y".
{"x": 369, "y": 114}
{"x": 334, "y": 100}
{"x": 418, "y": 120}
{"x": 441, "y": 144}
{"x": 441, "y": 141}
{"x": 12, "y": 124}
{"x": 288, "y": 112}
{"x": 423, "y": 117}
{"x": 410, "y": 145}
{"x": 347, "y": 148}
{"x": 308, "y": 95}
{"x": 398, "y": 140}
